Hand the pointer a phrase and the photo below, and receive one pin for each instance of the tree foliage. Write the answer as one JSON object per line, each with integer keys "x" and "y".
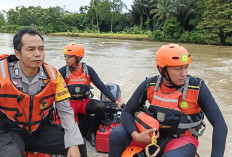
{"x": 197, "y": 21}
{"x": 185, "y": 11}
{"x": 2, "y": 19}
{"x": 164, "y": 10}
{"x": 172, "y": 29}
{"x": 141, "y": 12}
{"x": 216, "y": 26}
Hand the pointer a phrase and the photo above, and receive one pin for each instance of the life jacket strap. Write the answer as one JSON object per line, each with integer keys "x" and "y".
{"x": 158, "y": 82}
{"x": 68, "y": 72}
{"x": 185, "y": 87}
{"x": 85, "y": 69}
{"x": 192, "y": 125}
{"x": 165, "y": 100}
{"x": 29, "y": 123}
{"x": 189, "y": 125}
{"x": 9, "y": 109}
{"x": 3, "y": 69}
{"x": 52, "y": 72}
{"x": 197, "y": 133}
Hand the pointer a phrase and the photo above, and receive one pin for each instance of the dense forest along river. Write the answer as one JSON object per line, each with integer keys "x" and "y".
{"x": 127, "y": 63}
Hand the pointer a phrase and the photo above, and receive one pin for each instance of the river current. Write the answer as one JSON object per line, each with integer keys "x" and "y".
{"x": 127, "y": 63}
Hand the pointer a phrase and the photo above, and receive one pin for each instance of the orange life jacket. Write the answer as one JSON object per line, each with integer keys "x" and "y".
{"x": 23, "y": 112}
{"x": 78, "y": 86}
{"x": 178, "y": 112}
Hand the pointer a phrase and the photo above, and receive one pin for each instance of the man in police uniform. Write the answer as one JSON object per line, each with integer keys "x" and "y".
{"x": 28, "y": 88}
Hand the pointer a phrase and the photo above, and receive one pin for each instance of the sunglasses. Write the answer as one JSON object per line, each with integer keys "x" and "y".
{"x": 68, "y": 56}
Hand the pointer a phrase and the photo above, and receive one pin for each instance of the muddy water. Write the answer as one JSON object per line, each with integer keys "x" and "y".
{"x": 128, "y": 63}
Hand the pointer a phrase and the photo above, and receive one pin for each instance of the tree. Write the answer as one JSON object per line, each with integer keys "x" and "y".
{"x": 25, "y": 16}
{"x": 2, "y": 20}
{"x": 54, "y": 19}
{"x": 185, "y": 10}
{"x": 94, "y": 6}
{"x": 172, "y": 29}
{"x": 116, "y": 6}
{"x": 104, "y": 16}
{"x": 216, "y": 26}
{"x": 164, "y": 10}
{"x": 142, "y": 9}
{"x": 199, "y": 10}
{"x": 12, "y": 17}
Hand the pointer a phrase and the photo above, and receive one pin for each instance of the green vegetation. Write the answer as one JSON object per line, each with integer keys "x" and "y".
{"x": 191, "y": 21}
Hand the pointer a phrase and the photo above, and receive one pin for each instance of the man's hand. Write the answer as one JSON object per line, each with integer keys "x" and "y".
{"x": 73, "y": 151}
{"x": 119, "y": 104}
{"x": 143, "y": 137}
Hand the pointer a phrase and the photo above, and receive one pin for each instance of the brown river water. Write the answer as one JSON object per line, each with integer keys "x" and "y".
{"x": 127, "y": 63}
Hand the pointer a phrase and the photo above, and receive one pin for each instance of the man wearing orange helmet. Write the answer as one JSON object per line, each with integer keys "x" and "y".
{"x": 78, "y": 77}
{"x": 179, "y": 102}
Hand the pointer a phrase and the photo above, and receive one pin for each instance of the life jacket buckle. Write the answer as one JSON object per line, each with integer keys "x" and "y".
{"x": 43, "y": 115}
{"x": 29, "y": 123}
{"x": 19, "y": 114}
{"x": 20, "y": 97}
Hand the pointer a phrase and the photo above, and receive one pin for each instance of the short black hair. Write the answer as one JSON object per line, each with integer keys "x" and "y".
{"x": 17, "y": 39}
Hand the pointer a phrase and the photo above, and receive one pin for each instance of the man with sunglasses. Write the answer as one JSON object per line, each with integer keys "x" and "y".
{"x": 78, "y": 77}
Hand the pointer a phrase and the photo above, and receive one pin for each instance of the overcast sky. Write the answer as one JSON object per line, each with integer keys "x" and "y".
{"x": 70, "y": 5}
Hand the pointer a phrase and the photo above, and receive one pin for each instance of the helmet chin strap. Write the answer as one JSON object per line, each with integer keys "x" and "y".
{"x": 78, "y": 59}
{"x": 162, "y": 71}
{"x": 71, "y": 68}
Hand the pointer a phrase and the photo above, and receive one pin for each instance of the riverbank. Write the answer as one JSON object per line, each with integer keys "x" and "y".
{"x": 143, "y": 37}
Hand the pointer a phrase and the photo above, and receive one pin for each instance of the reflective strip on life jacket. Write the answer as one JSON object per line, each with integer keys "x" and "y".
{"x": 76, "y": 80}
{"x": 3, "y": 69}
{"x": 165, "y": 100}
{"x": 52, "y": 72}
{"x": 169, "y": 101}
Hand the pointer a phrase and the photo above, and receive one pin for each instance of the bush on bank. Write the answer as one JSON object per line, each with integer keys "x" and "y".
{"x": 167, "y": 33}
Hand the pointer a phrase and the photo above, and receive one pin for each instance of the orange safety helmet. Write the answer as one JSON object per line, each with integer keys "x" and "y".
{"x": 172, "y": 55}
{"x": 74, "y": 49}
{"x": 144, "y": 122}
{"x": 131, "y": 151}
